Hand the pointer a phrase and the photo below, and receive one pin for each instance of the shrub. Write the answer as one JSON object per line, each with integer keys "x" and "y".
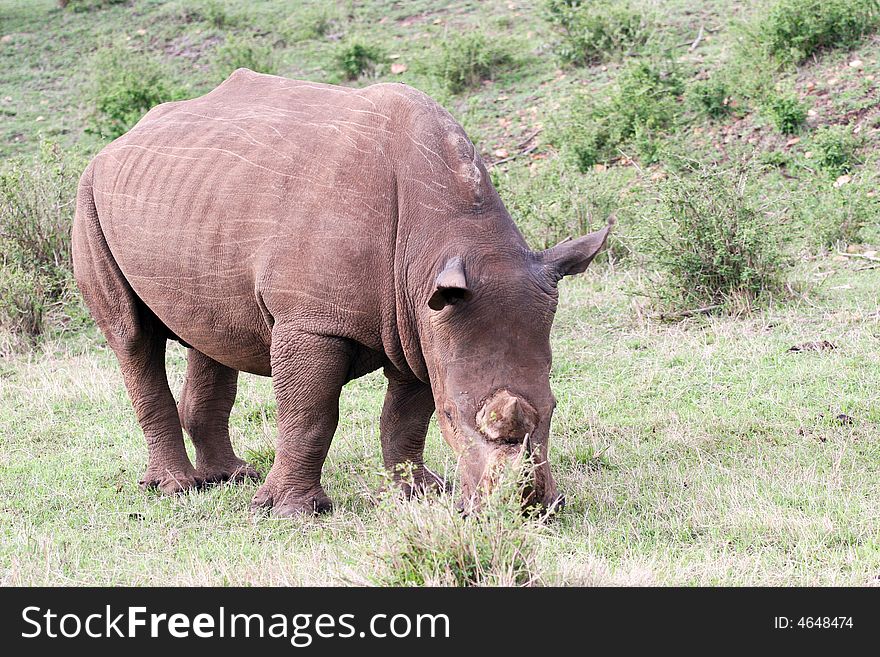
{"x": 549, "y": 202}
{"x": 37, "y": 200}
{"x": 834, "y": 215}
{"x": 465, "y": 60}
{"x": 357, "y": 58}
{"x": 240, "y": 52}
{"x": 784, "y": 110}
{"x": 713, "y": 248}
{"x": 710, "y": 97}
{"x": 88, "y": 5}
{"x": 312, "y": 23}
{"x": 834, "y": 148}
{"x": 429, "y": 542}
{"x": 774, "y": 159}
{"x": 216, "y": 14}
{"x": 792, "y": 30}
{"x": 24, "y": 291}
{"x": 126, "y": 86}
{"x": 637, "y": 113}
{"x": 596, "y": 30}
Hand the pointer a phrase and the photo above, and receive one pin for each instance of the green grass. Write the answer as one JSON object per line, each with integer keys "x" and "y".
{"x": 692, "y": 452}
{"x": 719, "y": 462}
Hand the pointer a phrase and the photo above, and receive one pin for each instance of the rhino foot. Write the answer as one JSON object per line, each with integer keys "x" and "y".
{"x": 234, "y": 471}
{"x": 171, "y": 482}
{"x": 288, "y": 503}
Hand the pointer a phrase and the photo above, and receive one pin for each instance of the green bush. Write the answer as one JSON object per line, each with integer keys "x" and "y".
{"x": 784, "y": 110}
{"x": 216, "y": 14}
{"x": 712, "y": 247}
{"x": 834, "y": 148}
{"x": 356, "y": 58}
{"x": 24, "y": 291}
{"x": 710, "y": 97}
{"x": 37, "y": 200}
{"x": 88, "y": 5}
{"x": 595, "y": 30}
{"x": 241, "y": 52}
{"x": 549, "y": 202}
{"x": 792, "y": 30}
{"x": 774, "y": 159}
{"x": 636, "y": 114}
{"x": 833, "y": 215}
{"x": 125, "y": 87}
{"x": 313, "y": 22}
{"x": 465, "y": 60}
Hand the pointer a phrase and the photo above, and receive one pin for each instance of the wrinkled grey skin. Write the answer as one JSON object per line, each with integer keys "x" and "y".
{"x": 313, "y": 234}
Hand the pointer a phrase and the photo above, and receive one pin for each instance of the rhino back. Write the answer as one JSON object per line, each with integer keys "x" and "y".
{"x": 267, "y": 199}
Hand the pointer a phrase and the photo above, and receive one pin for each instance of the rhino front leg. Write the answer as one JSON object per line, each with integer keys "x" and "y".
{"x": 308, "y": 372}
{"x": 408, "y": 407}
{"x": 204, "y": 407}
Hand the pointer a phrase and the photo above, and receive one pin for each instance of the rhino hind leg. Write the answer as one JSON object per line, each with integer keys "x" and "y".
{"x": 205, "y": 403}
{"x": 308, "y": 372}
{"x": 143, "y": 369}
{"x": 408, "y": 407}
{"x": 138, "y": 339}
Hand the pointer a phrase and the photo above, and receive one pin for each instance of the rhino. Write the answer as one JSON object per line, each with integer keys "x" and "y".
{"x": 312, "y": 234}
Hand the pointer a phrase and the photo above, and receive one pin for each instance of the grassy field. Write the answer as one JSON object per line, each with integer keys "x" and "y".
{"x": 693, "y": 448}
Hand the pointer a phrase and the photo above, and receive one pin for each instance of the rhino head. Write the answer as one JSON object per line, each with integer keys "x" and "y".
{"x": 485, "y": 334}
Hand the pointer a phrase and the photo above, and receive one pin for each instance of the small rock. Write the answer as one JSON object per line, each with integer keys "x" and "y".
{"x": 141, "y": 32}
{"x": 397, "y": 68}
{"x": 500, "y": 153}
{"x": 793, "y": 141}
{"x": 808, "y": 154}
{"x": 6, "y": 38}
{"x": 832, "y": 81}
{"x": 821, "y": 345}
{"x": 856, "y": 63}
{"x": 811, "y": 113}
{"x": 40, "y": 118}
{"x": 842, "y": 180}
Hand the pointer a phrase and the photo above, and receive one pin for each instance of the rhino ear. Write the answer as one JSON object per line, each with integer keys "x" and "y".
{"x": 451, "y": 286}
{"x": 574, "y": 256}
